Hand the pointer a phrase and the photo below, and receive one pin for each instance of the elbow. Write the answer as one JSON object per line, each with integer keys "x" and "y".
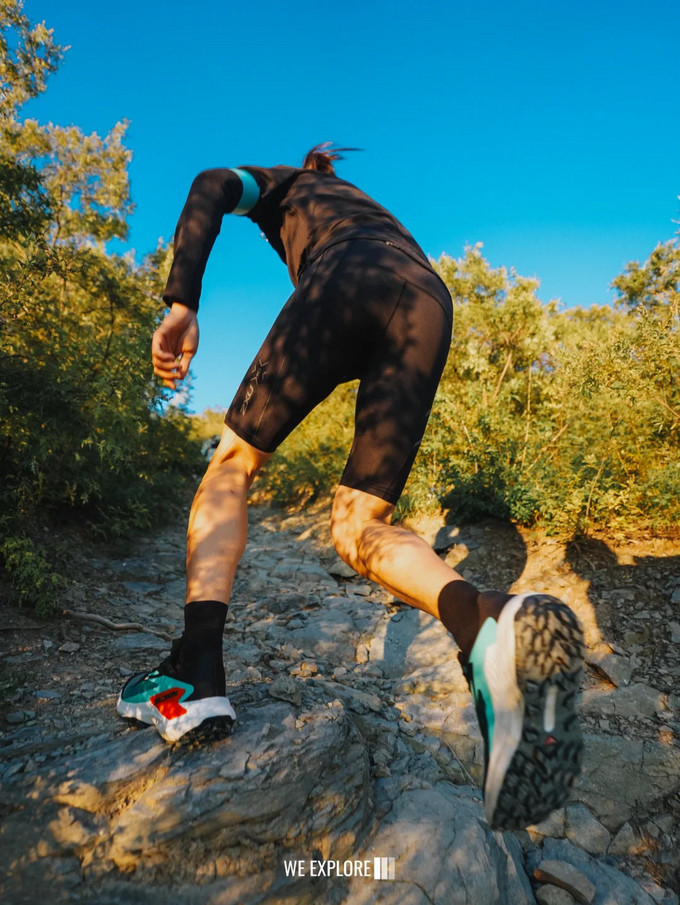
{"x": 213, "y": 179}
{"x": 205, "y": 179}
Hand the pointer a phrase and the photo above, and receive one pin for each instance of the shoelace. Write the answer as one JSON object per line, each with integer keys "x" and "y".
{"x": 169, "y": 663}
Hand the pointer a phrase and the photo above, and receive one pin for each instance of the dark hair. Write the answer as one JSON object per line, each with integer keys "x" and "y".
{"x": 321, "y": 157}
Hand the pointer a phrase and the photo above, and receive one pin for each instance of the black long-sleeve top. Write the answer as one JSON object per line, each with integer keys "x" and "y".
{"x": 300, "y": 212}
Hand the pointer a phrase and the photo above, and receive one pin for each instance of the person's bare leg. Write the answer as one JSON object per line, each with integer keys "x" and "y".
{"x": 406, "y": 566}
{"x": 525, "y": 690}
{"x": 218, "y": 523}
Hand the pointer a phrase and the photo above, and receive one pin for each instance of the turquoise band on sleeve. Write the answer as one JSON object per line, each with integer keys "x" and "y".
{"x": 249, "y": 195}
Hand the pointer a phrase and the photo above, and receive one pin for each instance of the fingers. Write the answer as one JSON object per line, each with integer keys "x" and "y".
{"x": 170, "y": 368}
{"x": 183, "y": 365}
{"x": 173, "y": 346}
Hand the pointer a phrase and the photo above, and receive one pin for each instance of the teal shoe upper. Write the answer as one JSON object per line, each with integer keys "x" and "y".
{"x": 140, "y": 689}
{"x": 476, "y": 676}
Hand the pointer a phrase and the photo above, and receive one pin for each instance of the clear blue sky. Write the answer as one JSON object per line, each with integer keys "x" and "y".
{"x": 548, "y": 131}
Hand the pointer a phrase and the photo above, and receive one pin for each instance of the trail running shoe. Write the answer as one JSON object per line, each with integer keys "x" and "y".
{"x": 177, "y": 697}
{"x": 524, "y": 673}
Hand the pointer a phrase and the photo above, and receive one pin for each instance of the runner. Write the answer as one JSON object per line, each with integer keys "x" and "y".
{"x": 367, "y": 305}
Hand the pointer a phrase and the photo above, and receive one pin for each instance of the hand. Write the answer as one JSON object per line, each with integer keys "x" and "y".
{"x": 174, "y": 344}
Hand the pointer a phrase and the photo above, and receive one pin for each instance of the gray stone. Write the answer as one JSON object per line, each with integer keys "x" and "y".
{"x": 632, "y": 702}
{"x": 96, "y": 776}
{"x": 585, "y": 831}
{"x": 621, "y": 776}
{"x": 340, "y": 569}
{"x": 286, "y": 788}
{"x": 354, "y": 698}
{"x": 454, "y": 721}
{"x": 303, "y": 573}
{"x": 446, "y": 538}
{"x": 247, "y": 651}
{"x": 285, "y": 688}
{"x": 611, "y": 887}
{"x": 660, "y": 895}
{"x": 134, "y": 568}
{"x": 553, "y": 895}
{"x": 666, "y": 823}
{"x": 411, "y": 640}
{"x": 329, "y": 633}
{"x": 617, "y": 669}
{"x": 566, "y": 876}
{"x": 139, "y": 641}
{"x": 433, "y": 681}
{"x": 143, "y": 588}
{"x": 18, "y": 716}
{"x": 463, "y": 862}
{"x": 674, "y": 629}
{"x": 302, "y": 783}
{"x": 625, "y": 842}
{"x": 47, "y": 694}
{"x": 554, "y": 825}
{"x": 316, "y": 767}
{"x": 173, "y": 592}
{"x": 69, "y": 647}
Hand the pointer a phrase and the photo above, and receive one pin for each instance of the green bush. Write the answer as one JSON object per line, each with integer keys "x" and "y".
{"x": 83, "y": 432}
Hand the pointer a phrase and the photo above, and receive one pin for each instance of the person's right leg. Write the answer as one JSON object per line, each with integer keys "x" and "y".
{"x": 522, "y": 657}
{"x": 407, "y": 566}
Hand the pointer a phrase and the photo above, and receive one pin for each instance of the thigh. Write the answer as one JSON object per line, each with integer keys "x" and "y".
{"x": 396, "y": 393}
{"x": 306, "y": 354}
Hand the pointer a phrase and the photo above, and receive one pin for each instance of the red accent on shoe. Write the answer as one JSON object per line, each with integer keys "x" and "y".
{"x": 168, "y": 703}
{"x": 550, "y": 740}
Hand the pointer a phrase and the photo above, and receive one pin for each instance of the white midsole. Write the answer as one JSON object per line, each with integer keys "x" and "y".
{"x": 173, "y": 729}
{"x": 508, "y": 702}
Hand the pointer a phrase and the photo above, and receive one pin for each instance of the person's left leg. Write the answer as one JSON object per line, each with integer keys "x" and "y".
{"x": 218, "y": 522}
{"x": 188, "y": 688}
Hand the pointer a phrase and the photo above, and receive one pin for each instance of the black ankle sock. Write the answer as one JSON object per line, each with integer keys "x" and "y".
{"x": 459, "y": 613}
{"x": 203, "y": 626}
{"x": 463, "y": 610}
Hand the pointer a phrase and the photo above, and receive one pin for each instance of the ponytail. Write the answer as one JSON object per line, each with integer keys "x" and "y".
{"x": 321, "y": 158}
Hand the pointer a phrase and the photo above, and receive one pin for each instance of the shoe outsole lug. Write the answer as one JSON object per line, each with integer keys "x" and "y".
{"x": 211, "y": 730}
{"x": 549, "y": 653}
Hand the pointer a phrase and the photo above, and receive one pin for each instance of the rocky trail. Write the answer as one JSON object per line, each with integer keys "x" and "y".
{"x": 356, "y": 754}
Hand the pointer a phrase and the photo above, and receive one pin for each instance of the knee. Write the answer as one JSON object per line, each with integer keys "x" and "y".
{"x": 345, "y": 537}
{"x": 237, "y": 458}
{"x": 354, "y": 514}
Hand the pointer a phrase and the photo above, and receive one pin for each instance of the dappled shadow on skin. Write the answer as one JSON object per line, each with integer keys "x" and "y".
{"x": 490, "y": 555}
{"x": 363, "y": 310}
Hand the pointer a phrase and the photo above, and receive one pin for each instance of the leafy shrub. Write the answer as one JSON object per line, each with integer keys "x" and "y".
{"x": 83, "y": 433}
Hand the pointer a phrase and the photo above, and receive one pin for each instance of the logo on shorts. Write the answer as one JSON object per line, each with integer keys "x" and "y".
{"x": 254, "y": 377}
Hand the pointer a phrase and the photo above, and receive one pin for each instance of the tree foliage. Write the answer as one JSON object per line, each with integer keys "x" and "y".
{"x": 82, "y": 432}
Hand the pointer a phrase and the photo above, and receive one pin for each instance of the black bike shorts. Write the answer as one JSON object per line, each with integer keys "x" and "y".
{"x": 363, "y": 309}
